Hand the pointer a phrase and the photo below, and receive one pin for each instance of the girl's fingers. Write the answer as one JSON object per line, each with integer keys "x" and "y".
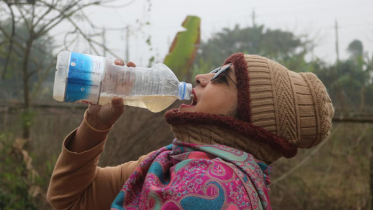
{"x": 119, "y": 62}
{"x": 131, "y": 64}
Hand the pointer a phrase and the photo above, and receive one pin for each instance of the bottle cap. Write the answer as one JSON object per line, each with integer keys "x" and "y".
{"x": 185, "y": 91}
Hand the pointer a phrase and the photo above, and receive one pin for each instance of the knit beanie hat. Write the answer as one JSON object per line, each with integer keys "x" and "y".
{"x": 278, "y": 110}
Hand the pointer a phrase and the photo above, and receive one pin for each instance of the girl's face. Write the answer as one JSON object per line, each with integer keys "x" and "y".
{"x": 214, "y": 97}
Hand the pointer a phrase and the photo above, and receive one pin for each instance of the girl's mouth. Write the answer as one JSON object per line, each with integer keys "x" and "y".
{"x": 194, "y": 101}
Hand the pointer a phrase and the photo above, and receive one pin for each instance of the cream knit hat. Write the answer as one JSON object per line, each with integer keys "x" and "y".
{"x": 293, "y": 106}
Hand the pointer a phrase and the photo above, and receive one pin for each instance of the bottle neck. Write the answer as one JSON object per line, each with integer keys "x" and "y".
{"x": 185, "y": 91}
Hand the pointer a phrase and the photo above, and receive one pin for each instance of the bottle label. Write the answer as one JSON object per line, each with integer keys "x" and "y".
{"x": 84, "y": 78}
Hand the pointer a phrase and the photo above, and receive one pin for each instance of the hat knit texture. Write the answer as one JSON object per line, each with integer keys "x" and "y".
{"x": 278, "y": 110}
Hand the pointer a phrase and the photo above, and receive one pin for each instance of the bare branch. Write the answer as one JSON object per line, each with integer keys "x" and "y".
{"x": 23, "y": 16}
{"x": 89, "y": 40}
{"x": 43, "y": 15}
{"x": 32, "y": 18}
{"x": 34, "y": 61}
{"x": 10, "y": 42}
{"x": 94, "y": 26}
{"x": 86, "y": 37}
{"x": 32, "y": 72}
{"x": 17, "y": 52}
{"x": 11, "y": 38}
{"x": 39, "y": 49}
{"x": 43, "y": 29}
{"x": 4, "y": 12}
{"x": 65, "y": 39}
{"x": 105, "y": 2}
{"x": 87, "y": 19}
{"x": 19, "y": 38}
{"x": 41, "y": 79}
{"x": 118, "y": 6}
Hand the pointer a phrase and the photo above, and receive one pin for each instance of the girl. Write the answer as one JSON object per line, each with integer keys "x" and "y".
{"x": 244, "y": 116}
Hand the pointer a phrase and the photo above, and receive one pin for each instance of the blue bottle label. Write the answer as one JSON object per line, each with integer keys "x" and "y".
{"x": 84, "y": 78}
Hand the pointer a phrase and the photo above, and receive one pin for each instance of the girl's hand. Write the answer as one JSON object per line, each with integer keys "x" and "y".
{"x": 103, "y": 117}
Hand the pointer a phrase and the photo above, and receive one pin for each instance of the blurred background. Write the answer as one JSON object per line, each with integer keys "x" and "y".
{"x": 333, "y": 39}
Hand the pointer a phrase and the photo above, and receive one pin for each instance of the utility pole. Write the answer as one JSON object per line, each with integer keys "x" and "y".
{"x": 253, "y": 18}
{"x": 336, "y": 41}
{"x": 127, "y": 43}
{"x": 104, "y": 41}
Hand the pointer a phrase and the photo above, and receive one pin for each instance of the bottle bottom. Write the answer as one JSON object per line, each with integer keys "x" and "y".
{"x": 152, "y": 103}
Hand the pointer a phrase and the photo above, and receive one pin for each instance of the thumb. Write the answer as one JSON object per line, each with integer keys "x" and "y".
{"x": 117, "y": 106}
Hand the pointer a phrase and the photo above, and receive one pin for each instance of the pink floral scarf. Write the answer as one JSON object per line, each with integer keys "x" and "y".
{"x": 191, "y": 176}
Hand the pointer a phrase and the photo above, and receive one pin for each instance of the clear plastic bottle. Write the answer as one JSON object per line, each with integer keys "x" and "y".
{"x": 91, "y": 79}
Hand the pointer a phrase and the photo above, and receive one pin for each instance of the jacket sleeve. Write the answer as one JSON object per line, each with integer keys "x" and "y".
{"x": 78, "y": 183}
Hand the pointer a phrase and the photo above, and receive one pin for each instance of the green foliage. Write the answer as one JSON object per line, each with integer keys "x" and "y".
{"x": 355, "y": 48}
{"x": 349, "y": 82}
{"x": 28, "y": 117}
{"x": 14, "y": 182}
{"x": 282, "y": 46}
{"x": 184, "y": 48}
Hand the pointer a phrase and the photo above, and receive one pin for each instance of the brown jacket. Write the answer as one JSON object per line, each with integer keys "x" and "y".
{"x": 78, "y": 183}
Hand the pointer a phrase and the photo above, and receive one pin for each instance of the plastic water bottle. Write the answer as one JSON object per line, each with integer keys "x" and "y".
{"x": 92, "y": 79}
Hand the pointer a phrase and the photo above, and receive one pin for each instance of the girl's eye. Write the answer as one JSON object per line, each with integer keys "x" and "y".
{"x": 222, "y": 78}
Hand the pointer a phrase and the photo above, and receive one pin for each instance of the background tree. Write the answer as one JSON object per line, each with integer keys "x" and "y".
{"x": 23, "y": 40}
{"x": 349, "y": 82}
{"x": 27, "y": 60}
{"x": 41, "y": 62}
{"x": 355, "y": 48}
{"x": 282, "y": 46}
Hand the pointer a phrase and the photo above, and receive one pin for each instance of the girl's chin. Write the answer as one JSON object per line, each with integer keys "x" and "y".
{"x": 186, "y": 108}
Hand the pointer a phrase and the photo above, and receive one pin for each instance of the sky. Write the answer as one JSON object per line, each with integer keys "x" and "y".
{"x": 314, "y": 18}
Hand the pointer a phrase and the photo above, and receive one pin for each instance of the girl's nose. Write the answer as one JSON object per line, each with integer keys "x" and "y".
{"x": 203, "y": 79}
